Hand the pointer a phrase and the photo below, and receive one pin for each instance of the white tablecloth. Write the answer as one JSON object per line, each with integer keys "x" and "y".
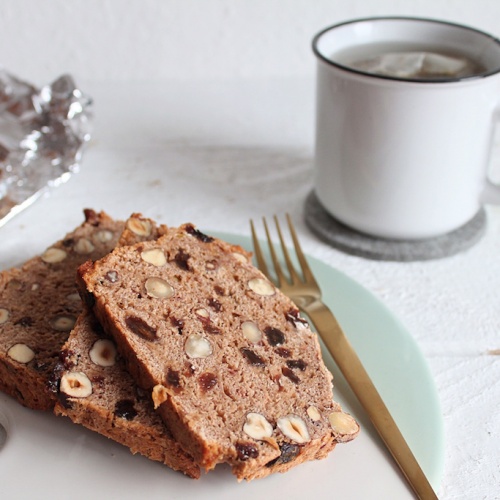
{"x": 220, "y": 152}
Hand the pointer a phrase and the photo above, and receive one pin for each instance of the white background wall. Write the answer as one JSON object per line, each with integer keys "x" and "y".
{"x": 154, "y": 39}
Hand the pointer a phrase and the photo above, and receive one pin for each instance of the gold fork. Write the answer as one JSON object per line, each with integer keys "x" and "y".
{"x": 306, "y": 293}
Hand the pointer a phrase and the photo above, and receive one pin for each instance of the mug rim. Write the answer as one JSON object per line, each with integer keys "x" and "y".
{"x": 350, "y": 69}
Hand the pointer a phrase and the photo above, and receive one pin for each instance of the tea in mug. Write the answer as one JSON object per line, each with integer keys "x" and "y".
{"x": 421, "y": 62}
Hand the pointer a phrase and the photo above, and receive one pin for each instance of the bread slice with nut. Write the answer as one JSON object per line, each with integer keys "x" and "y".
{"x": 39, "y": 304}
{"x": 232, "y": 367}
{"x": 95, "y": 390}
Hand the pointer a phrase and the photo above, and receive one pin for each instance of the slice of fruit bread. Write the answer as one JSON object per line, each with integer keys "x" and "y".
{"x": 95, "y": 390}
{"x": 39, "y": 304}
{"x": 233, "y": 369}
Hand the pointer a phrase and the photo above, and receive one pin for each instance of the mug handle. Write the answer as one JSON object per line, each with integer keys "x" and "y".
{"x": 491, "y": 192}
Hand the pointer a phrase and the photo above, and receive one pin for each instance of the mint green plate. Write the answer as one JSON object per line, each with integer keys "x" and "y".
{"x": 66, "y": 460}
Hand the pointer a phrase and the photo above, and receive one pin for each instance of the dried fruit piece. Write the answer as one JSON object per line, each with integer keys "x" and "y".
{"x": 63, "y": 323}
{"x": 257, "y": 427}
{"x": 68, "y": 359}
{"x": 197, "y": 346}
{"x": 215, "y": 304}
{"x": 53, "y": 255}
{"x": 253, "y": 358}
{"x": 344, "y": 427}
{"x": 189, "y": 369}
{"x": 198, "y": 234}
{"x": 91, "y": 216}
{"x": 158, "y": 288}
{"x": 177, "y": 323}
{"x": 174, "y": 379}
{"x": 4, "y": 315}
{"x": 283, "y": 352}
{"x": 274, "y": 336}
{"x": 209, "y": 328}
{"x": 141, "y": 227}
{"x": 293, "y": 315}
{"x": 261, "y": 287}
{"x": 294, "y": 428}
{"x": 207, "y": 381}
{"x": 76, "y": 384}
{"x": 21, "y": 353}
{"x": 84, "y": 246}
{"x": 181, "y": 259}
{"x": 125, "y": 409}
{"x": 140, "y": 327}
{"x": 251, "y": 332}
{"x": 289, "y": 374}
{"x": 289, "y": 452}
{"x": 154, "y": 256}
{"x": 314, "y": 413}
{"x": 297, "y": 364}
{"x": 246, "y": 451}
{"x": 103, "y": 352}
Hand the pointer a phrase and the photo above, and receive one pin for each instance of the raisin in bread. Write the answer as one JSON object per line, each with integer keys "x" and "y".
{"x": 234, "y": 370}
{"x": 95, "y": 390}
{"x": 39, "y": 304}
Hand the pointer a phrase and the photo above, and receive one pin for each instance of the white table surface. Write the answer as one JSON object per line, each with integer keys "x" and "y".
{"x": 220, "y": 152}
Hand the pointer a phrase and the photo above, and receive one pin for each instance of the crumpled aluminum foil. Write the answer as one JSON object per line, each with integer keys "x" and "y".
{"x": 42, "y": 134}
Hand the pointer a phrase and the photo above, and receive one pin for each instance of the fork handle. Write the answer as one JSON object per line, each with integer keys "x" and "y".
{"x": 358, "y": 379}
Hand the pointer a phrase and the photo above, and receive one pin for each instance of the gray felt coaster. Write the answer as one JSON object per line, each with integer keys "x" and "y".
{"x": 350, "y": 241}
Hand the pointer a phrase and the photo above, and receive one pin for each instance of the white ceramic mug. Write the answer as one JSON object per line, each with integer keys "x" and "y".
{"x": 402, "y": 158}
